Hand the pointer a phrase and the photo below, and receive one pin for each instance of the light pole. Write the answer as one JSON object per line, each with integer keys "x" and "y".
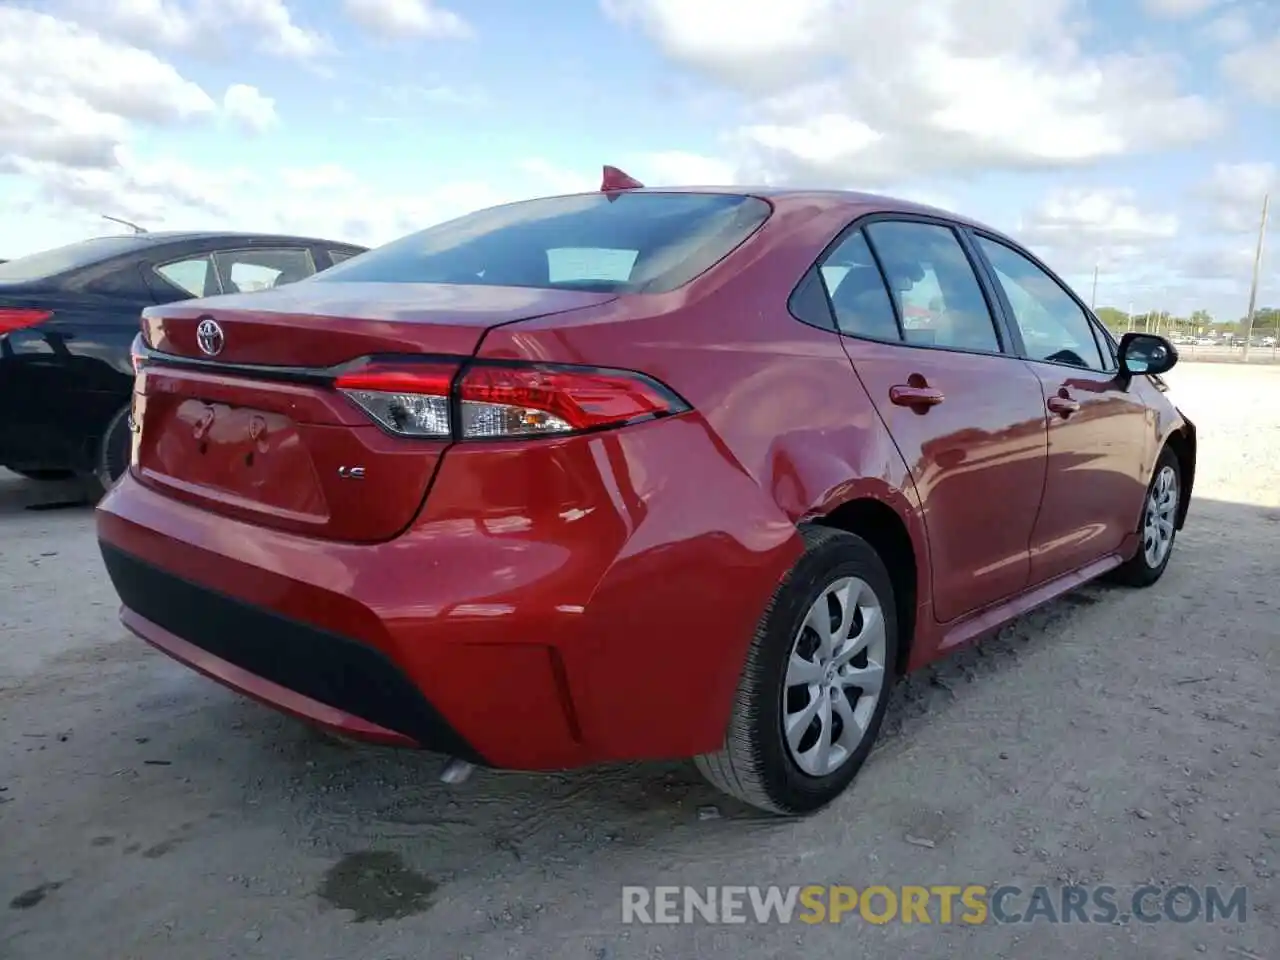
{"x": 1257, "y": 270}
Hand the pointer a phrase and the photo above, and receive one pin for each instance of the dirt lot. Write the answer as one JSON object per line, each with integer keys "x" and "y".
{"x": 1115, "y": 737}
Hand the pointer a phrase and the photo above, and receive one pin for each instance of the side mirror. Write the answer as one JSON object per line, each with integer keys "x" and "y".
{"x": 1145, "y": 354}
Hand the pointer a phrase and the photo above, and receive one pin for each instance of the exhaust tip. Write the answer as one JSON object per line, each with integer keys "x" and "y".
{"x": 456, "y": 771}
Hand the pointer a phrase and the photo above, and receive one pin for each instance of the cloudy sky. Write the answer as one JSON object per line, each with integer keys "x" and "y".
{"x": 1139, "y": 135}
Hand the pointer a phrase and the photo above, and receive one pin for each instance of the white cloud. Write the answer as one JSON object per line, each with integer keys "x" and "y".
{"x": 69, "y": 96}
{"x": 671, "y": 168}
{"x": 1233, "y": 194}
{"x": 249, "y": 108}
{"x": 1079, "y": 229}
{"x": 1232, "y": 29}
{"x": 1255, "y": 69}
{"x": 1179, "y": 9}
{"x": 327, "y": 200}
{"x": 558, "y": 180}
{"x": 396, "y": 19}
{"x": 1234, "y": 265}
{"x": 202, "y": 26}
{"x": 880, "y": 90}
{"x": 754, "y": 43}
{"x": 677, "y": 168}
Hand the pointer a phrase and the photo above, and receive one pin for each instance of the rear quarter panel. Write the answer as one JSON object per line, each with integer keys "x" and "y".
{"x": 781, "y": 427}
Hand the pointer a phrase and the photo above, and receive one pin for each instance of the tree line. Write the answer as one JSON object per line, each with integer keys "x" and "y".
{"x": 1266, "y": 322}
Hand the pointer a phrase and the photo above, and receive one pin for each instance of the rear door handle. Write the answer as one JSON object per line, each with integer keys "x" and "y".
{"x": 916, "y": 397}
{"x": 1063, "y": 405}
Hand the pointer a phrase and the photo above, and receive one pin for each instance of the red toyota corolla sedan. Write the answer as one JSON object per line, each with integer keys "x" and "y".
{"x": 636, "y": 474}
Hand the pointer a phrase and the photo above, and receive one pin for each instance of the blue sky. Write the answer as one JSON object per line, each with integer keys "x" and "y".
{"x": 1138, "y": 135}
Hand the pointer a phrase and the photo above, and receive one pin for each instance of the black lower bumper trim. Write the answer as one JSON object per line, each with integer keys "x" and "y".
{"x": 324, "y": 666}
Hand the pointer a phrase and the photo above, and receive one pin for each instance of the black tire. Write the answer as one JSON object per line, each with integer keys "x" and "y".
{"x": 755, "y": 765}
{"x": 44, "y": 476}
{"x": 113, "y": 453}
{"x": 1138, "y": 571}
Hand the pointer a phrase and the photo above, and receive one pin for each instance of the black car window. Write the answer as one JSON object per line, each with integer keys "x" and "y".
{"x": 60, "y": 260}
{"x": 260, "y": 268}
{"x": 858, "y": 295}
{"x": 612, "y": 243}
{"x": 194, "y": 276}
{"x": 938, "y": 295}
{"x": 1054, "y": 327}
{"x": 337, "y": 256}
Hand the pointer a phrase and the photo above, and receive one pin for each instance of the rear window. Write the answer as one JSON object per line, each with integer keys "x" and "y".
{"x": 60, "y": 260}
{"x": 627, "y": 243}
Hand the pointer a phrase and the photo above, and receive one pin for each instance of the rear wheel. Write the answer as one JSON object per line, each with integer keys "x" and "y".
{"x": 815, "y": 687}
{"x": 1158, "y": 527}
{"x": 113, "y": 452}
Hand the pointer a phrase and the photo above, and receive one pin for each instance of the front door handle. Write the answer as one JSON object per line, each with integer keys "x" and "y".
{"x": 1063, "y": 405}
{"x": 916, "y": 394}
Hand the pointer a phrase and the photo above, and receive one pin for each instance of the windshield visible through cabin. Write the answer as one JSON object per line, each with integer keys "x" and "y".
{"x": 613, "y": 243}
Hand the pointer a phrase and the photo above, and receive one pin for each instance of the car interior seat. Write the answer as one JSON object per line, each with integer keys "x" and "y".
{"x": 861, "y": 304}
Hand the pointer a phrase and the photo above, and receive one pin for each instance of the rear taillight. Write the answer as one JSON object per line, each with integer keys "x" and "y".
{"x": 19, "y": 318}
{"x": 501, "y": 400}
{"x": 136, "y": 354}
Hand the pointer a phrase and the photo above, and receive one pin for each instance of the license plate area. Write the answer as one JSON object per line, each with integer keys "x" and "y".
{"x": 243, "y": 456}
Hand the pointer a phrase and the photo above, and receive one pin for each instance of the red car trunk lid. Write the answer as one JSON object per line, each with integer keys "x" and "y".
{"x": 254, "y": 432}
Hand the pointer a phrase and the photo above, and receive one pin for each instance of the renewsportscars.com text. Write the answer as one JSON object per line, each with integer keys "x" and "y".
{"x": 969, "y": 904}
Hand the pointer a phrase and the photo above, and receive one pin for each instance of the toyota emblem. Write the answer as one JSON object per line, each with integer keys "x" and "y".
{"x": 210, "y": 337}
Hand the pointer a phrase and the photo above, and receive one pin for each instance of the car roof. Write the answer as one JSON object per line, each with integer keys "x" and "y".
{"x": 855, "y": 201}
{"x": 171, "y": 236}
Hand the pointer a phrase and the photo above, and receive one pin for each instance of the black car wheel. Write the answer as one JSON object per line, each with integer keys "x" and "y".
{"x": 1158, "y": 526}
{"x": 113, "y": 452}
{"x": 815, "y": 686}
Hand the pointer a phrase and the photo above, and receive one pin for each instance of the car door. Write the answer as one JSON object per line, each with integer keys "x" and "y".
{"x": 1100, "y": 431}
{"x": 966, "y": 414}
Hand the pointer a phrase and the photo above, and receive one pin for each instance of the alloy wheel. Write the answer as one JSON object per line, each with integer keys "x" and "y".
{"x": 1158, "y": 524}
{"x": 835, "y": 677}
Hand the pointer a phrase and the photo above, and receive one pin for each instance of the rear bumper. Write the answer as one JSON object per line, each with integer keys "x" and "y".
{"x": 585, "y": 608}
{"x": 304, "y": 671}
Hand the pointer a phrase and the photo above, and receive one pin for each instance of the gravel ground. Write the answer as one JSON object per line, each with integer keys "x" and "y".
{"x": 1116, "y": 737}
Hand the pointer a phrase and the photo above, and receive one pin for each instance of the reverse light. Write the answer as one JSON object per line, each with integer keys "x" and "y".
{"x": 19, "y": 318}
{"x": 503, "y": 401}
{"x": 410, "y": 400}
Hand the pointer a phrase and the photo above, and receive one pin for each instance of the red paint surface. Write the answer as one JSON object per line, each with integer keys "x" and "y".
{"x": 564, "y": 601}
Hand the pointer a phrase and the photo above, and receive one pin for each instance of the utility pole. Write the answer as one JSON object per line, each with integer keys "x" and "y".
{"x": 1093, "y": 301}
{"x": 1257, "y": 271}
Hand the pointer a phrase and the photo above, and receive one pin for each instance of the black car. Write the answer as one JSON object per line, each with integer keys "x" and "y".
{"x": 68, "y": 318}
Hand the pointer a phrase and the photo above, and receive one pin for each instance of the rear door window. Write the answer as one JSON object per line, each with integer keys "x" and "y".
{"x": 937, "y": 292}
{"x": 244, "y": 271}
{"x": 193, "y": 276}
{"x": 859, "y": 298}
{"x": 613, "y": 243}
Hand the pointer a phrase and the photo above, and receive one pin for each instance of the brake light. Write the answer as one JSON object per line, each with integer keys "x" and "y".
{"x": 18, "y": 318}
{"x": 496, "y": 401}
